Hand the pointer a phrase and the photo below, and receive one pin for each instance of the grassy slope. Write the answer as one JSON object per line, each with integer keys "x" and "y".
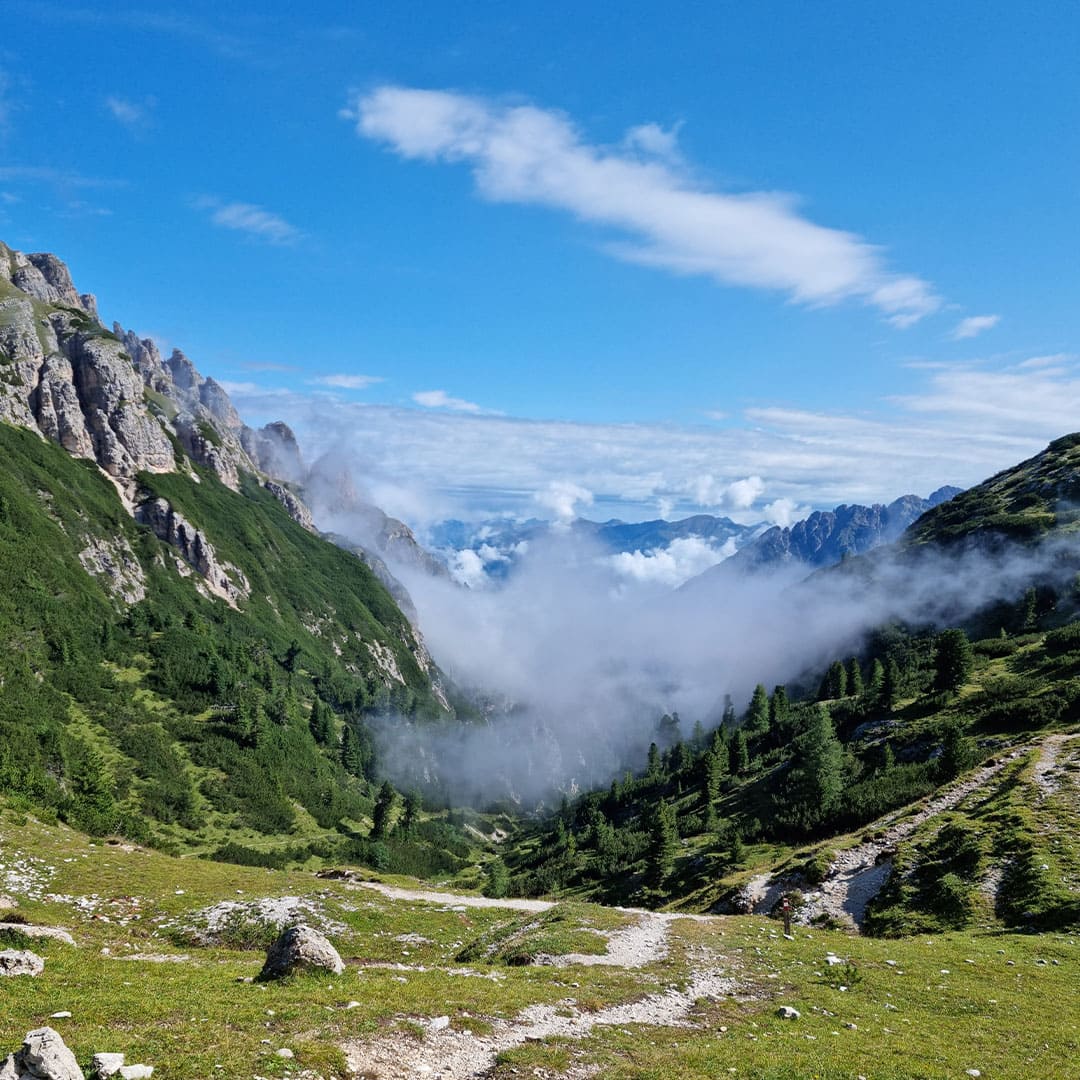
{"x": 1006, "y": 1006}
{"x": 85, "y": 675}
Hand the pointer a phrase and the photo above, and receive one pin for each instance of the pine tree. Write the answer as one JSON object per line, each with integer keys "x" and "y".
{"x": 815, "y": 780}
{"x": 653, "y": 768}
{"x": 663, "y": 845}
{"x": 877, "y": 679}
{"x": 834, "y": 685}
{"x": 382, "y": 817}
{"x": 321, "y": 722}
{"x": 740, "y": 753}
{"x": 953, "y": 660}
{"x": 757, "y": 715}
{"x": 411, "y": 818}
{"x": 715, "y": 768}
{"x": 498, "y": 879}
{"x": 697, "y": 737}
{"x": 351, "y": 758}
{"x": 855, "y": 679}
{"x": 779, "y": 714}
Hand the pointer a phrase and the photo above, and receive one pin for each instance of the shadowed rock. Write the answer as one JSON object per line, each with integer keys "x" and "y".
{"x": 300, "y": 948}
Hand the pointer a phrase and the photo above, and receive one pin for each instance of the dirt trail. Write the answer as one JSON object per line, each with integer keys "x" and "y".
{"x": 453, "y": 899}
{"x": 448, "y": 1054}
{"x": 857, "y": 874}
{"x": 1047, "y": 777}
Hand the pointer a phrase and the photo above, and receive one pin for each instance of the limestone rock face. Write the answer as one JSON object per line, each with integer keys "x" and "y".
{"x": 126, "y": 437}
{"x": 44, "y": 1056}
{"x": 297, "y": 510}
{"x": 58, "y": 410}
{"x": 301, "y": 948}
{"x": 222, "y": 578}
{"x": 46, "y": 278}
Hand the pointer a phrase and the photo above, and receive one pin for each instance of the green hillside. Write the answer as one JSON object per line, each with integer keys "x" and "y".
{"x": 176, "y": 718}
{"x": 925, "y": 754}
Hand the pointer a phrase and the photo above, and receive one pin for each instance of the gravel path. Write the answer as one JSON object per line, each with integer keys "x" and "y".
{"x": 1047, "y": 777}
{"x": 857, "y": 874}
{"x": 449, "y": 1054}
{"x": 459, "y": 1055}
{"x": 453, "y": 900}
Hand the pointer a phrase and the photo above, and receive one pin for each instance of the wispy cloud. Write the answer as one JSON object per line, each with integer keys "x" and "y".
{"x": 60, "y": 179}
{"x": 440, "y": 399}
{"x": 135, "y": 116}
{"x": 525, "y": 154}
{"x": 348, "y": 382}
{"x": 254, "y": 221}
{"x": 973, "y": 326}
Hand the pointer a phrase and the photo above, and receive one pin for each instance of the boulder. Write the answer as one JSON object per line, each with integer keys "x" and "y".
{"x": 44, "y": 1056}
{"x": 300, "y": 948}
{"x": 20, "y": 962}
{"x": 106, "y": 1065}
{"x": 786, "y": 1012}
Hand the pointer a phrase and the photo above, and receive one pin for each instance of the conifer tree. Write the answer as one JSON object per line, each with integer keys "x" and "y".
{"x": 411, "y": 817}
{"x": 757, "y": 715}
{"x": 663, "y": 845}
{"x": 953, "y": 660}
{"x": 382, "y": 817}
{"x": 740, "y": 753}
{"x": 321, "y": 722}
{"x": 855, "y": 679}
{"x": 779, "y": 713}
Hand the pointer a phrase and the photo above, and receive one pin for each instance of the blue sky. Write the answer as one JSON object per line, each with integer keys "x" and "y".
{"x": 743, "y": 258}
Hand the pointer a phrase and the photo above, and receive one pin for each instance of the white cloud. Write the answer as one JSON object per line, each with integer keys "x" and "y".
{"x": 726, "y": 495}
{"x": 960, "y": 426}
{"x": 973, "y": 326}
{"x": 253, "y": 221}
{"x": 562, "y": 498}
{"x": 348, "y": 382}
{"x": 653, "y": 139}
{"x": 524, "y": 154}
{"x": 684, "y": 558}
{"x": 783, "y": 512}
{"x": 467, "y": 568}
{"x": 133, "y": 115}
{"x": 440, "y": 399}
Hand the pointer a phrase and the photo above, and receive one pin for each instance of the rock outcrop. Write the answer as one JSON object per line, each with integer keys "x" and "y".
{"x": 20, "y": 962}
{"x": 222, "y": 578}
{"x": 43, "y": 1056}
{"x": 300, "y": 948}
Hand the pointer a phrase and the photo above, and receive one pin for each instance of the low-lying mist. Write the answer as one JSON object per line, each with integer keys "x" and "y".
{"x": 578, "y": 663}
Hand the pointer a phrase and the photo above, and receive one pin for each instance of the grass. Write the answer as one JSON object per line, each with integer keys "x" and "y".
{"x": 196, "y": 1020}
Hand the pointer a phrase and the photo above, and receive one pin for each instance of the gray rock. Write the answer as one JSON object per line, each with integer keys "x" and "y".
{"x": 223, "y": 579}
{"x": 106, "y": 1065}
{"x": 44, "y": 1056}
{"x": 30, "y": 930}
{"x": 8, "y": 1070}
{"x": 786, "y": 1012}
{"x": 301, "y": 948}
{"x": 295, "y": 508}
{"x": 20, "y": 962}
{"x": 135, "y": 1072}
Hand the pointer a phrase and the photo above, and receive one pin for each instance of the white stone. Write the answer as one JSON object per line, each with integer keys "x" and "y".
{"x": 786, "y": 1012}
{"x": 136, "y": 1072}
{"x": 106, "y": 1065}
{"x": 438, "y": 1023}
{"x": 284, "y": 1052}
